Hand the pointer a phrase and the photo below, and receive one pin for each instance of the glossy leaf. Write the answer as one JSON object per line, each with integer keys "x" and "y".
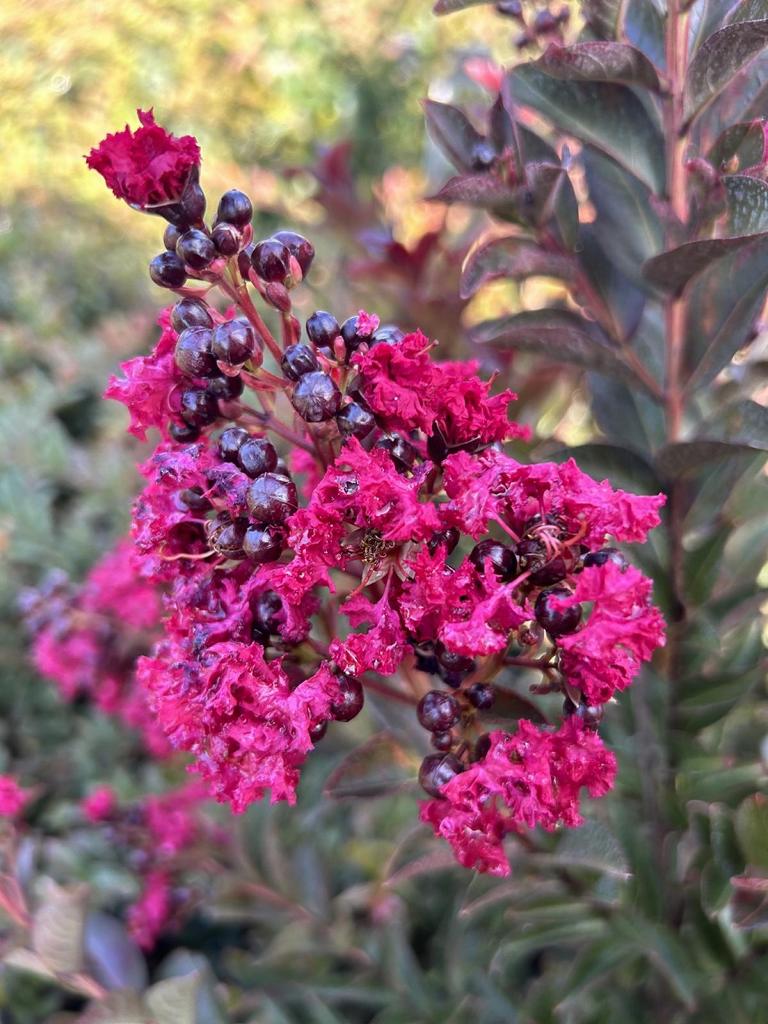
{"x": 514, "y": 258}
{"x": 599, "y": 62}
{"x": 747, "y": 200}
{"x": 643, "y": 25}
{"x": 627, "y": 226}
{"x": 672, "y": 270}
{"x": 746, "y": 422}
{"x": 746, "y": 142}
{"x": 556, "y": 334}
{"x": 626, "y": 414}
{"x": 453, "y": 132}
{"x": 607, "y": 115}
{"x": 689, "y": 457}
{"x": 718, "y": 59}
{"x": 723, "y": 307}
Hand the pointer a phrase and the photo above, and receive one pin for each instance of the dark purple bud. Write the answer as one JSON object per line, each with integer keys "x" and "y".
{"x": 272, "y": 498}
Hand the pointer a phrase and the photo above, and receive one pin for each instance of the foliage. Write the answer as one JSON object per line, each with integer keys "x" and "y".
{"x": 639, "y": 262}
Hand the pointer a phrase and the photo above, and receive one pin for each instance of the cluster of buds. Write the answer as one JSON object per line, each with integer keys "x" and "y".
{"x": 162, "y": 839}
{"x": 546, "y": 23}
{"x": 367, "y": 480}
{"x": 87, "y": 637}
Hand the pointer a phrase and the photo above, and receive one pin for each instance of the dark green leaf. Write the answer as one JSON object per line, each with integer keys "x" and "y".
{"x": 623, "y": 301}
{"x": 722, "y": 309}
{"x": 376, "y": 767}
{"x": 514, "y": 258}
{"x": 644, "y": 27}
{"x": 451, "y": 129}
{"x": 602, "y": 16}
{"x": 748, "y": 10}
{"x": 607, "y": 115}
{"x": 689, "y": 457}
{"x": 625, "y": 414}
{"x": 749, "y": 902}
{"x": 672, "y": 270}
{"x": 484, "y": 190}
{"x": 599, "y": 62}
{"x": 556, "y": 334}
{"x": 706, "y": 700}
{"x": 702, "y": 565}
{"x": 747, "y": 200}
{"x": 744, "y": 141}
{"x": 665, "y": 952}
{"x": 626, "y": 226}
{"x": 752, "y": 830}
{"x": 718, "y": 59}
{"x": 746, "y": 422}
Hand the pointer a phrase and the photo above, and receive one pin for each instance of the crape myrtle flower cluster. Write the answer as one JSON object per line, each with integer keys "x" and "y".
{"x": 163, "y": 839}
{"x": 332, "y": 511}
{"x": 87, "y": 638}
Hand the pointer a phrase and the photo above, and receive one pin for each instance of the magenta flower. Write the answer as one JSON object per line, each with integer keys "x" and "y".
{"x": 148, "y": 167}
{"x": 13, "y": 798}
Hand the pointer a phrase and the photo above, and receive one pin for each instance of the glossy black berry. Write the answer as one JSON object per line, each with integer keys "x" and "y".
{"x": 553, "y": 571}
{"x": 449, "y": 539}
{"x": 167, "y": 270}
{"x": 401, "y": 451}
{"x": 226, "y": 238}
{"x": 230, "y": 441}
{"x": 194, "y": 499}
{"x": 590, "y": 715}
{"x": 502, "y": 558}
{"x": 556, "y": 621}
{"x": 531, "y": 555}
{"x": 355, "y": 420}
{"x": 322, "y": 329}
{"x": 348, "y": 331}
{"x": 225, "y": 535}
{"x": 350, "y": 701}
{"x": 196, "y": 249}
{"x": 298, "y": 360}
{"x": 299, "y": 247}
{"x": 317, "y": 731}
{"x": 436, "y": 770}
{"x": 192, "y": 203}
{"x": 427, "y": 663}
{"x": 227, "y": 388}
{"x": 272, "y": 498}
{"x": 256, "y": 456}
{"x": 437, "y": 448}
{"x": 234, "y": 342}
{"x": 441, "y": 740}
{"x": 190, "y": 313}
{"x": 192, "y": 354}
{"x": 316, "y": 397}
{"x": 482, "y": 746}
{"x": 386, "y": 334}
{"x": 184, "y": 433}
{"x": 481, "y": 696}
{"x": 606, "y": 555}
{"x": 268, "y": 615}
{"x": 438, "y": 711}
{"x": 171, "y": 235}
{"x": 198, "y": 408}
{"x": 263, "y": 543}
{"x": 271, "y": 260}
{"x": 235, "y": 208}
{"x": 510, "y": 8}
{"x": 451, "y": 662}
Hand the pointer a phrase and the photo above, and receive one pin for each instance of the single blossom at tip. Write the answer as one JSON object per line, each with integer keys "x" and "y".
{"x": 146, "y": 167}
